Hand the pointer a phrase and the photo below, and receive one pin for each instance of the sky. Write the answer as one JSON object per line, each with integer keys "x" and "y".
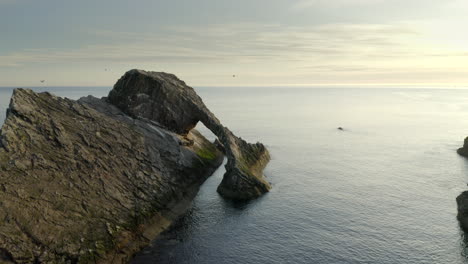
{"x": 261, "y": 42}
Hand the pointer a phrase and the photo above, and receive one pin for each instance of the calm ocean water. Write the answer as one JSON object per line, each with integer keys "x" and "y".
{"x": 382, "y": 191}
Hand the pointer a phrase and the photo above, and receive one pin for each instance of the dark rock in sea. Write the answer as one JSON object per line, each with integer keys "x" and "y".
{"x": 168, "y": 101}
{"x": 462, "y": 199}
{"x": 463, "y": 151}
{"x": 462, "y": 202}
{"x": 340, "y": 128}
{"x": 83, "y": 182}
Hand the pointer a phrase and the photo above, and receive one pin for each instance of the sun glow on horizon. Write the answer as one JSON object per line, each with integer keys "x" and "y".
{"x": 304, "y": 43}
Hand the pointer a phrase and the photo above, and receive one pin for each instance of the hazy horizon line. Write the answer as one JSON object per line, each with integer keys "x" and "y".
{"x": 363, "y": 86}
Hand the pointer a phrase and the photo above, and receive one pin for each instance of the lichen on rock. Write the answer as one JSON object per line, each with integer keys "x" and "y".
{"x": 168, "y": 101}
{"x": 82, "y": 182}
{"x": 95, "y": 180}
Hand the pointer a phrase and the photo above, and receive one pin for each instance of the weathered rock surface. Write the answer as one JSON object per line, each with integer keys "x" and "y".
{"x": 462, "y": 199}
{"x": 82, "y": 182}
{"x": 163, "y": 98}
{"x": 464, "y": 150}
{"x": 462, "y": 202}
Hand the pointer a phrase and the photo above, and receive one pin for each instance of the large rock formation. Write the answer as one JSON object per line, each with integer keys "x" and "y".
{"x": 462, "y": 202}
{"x": 462, "y": 199}
{"x": 94, "y": 180}
{"x": 82, "y": 182}
{"x": 464, "y": 150}
{"x": 165, "y": 99}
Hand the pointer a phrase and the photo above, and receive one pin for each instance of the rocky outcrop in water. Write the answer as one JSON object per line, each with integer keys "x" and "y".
{"x": 462, "y": 199}
{"x": 462, "y": 202}
{"x": 83, "y": 182}
{"x": 165, "y": 99}
{"x": 464, "y": 150}
{"x": 94, "y": 180}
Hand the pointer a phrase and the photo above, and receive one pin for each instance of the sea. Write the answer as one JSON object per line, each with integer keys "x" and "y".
{"x": 382, "y": 190}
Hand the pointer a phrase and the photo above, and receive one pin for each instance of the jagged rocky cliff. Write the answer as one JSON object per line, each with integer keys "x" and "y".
{"x": 462, "y": 202}
{"x": 94, "y": 180}
{"x": 464, "y": 150}
{"x": 165, "y": 99}
{"x": 82, "y": 182}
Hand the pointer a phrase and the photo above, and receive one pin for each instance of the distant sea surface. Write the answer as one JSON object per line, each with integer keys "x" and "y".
{"x": 381, "y": 191}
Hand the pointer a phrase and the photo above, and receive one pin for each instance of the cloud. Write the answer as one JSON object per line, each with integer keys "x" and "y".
{"x": 266, "y": 51}
{"x": 228, "y": 43}
{"x": 332, "y": 3}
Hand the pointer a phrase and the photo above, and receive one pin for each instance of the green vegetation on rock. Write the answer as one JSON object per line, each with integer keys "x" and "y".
{"x": 207, "y": 153}
{"x": 81, "y": 181}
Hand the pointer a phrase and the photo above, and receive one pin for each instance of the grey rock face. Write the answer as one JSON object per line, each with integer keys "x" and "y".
{"x": 173, "y": 108}
{"x": 462, "y": 202}
{"x": 462, "y": 199}
{"x": 82, "y": 182}
{"x": 165, "y": 99}
{"x": 464, "y": 150}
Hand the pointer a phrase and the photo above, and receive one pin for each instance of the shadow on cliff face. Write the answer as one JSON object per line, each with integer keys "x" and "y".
{"x": 114, "y": 172}
{"x": 5, "y": 256}
{"x": 103, "y": 176}
{"x": 165, "y": 99}
{"x": 236, "y": 204}
{"x": 209, "y": 211}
